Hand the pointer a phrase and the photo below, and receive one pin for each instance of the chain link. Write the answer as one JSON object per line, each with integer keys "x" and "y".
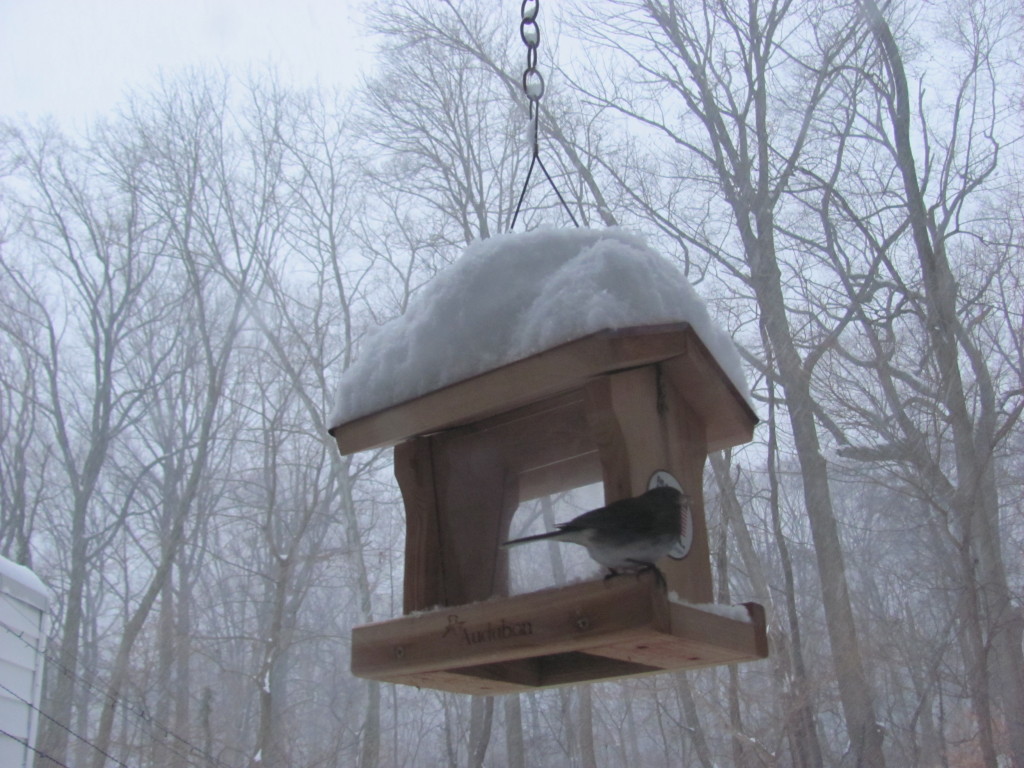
{"x": 529, "y": 32}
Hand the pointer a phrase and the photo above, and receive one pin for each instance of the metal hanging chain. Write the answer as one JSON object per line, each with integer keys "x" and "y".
{"x": 533, "y": 80}
{"x": 533, "y": 87}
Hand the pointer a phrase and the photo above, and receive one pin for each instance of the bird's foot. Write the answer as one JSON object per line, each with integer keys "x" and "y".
{"x": 659, "y": 577}
{"x": 642, "y": 567}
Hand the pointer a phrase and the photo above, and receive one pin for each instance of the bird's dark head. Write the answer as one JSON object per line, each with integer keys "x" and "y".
{"x": 666, "y": 505}
{"x": 667, "y": 495}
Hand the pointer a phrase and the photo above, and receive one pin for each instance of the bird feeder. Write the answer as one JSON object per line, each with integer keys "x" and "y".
{"x": 627, "y": 407}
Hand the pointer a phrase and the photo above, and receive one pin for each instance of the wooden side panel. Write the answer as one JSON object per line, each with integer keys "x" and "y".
{"x": 728, "y": 419}
{"x": 461, "y": 488}
{"x": 476, "y": 498}
{"x": 547, "y": 444}
{"x": 424, "y": 572}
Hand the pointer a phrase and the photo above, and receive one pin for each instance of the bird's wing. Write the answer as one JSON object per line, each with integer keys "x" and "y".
{"x": 618, "y": 516}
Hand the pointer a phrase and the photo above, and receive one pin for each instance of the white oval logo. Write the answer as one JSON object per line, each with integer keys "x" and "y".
{"x": 682, "y": 547}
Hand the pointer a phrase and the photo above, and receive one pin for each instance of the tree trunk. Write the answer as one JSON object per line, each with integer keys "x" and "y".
{"x": 790, "y": 671}
{"x": 369, "y": 743}
{"x": 976, "y": 501}
{"x": 692, "y": 720}
{"x": 481, "y": 717}
{"x": 514, "y": 747}
{"x": 588, "y": 755}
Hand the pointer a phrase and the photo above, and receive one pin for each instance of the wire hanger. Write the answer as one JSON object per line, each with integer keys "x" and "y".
{"x": 533, "y": 87}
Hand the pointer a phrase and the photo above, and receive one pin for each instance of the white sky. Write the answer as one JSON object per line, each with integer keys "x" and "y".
{"x": 74, "y": 59}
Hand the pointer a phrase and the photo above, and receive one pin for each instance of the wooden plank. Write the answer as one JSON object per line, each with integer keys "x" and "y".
{"x": 560, "y": 369}
{"x": 592, "y": 631}
{"x": 581, "y": 667}
{"x": 548, "y": 671}
{"x": 601, "y": 663}
{"x": 523, "y": 675}
{"x": 456, "y": 682}
{"x": 697, "y": 638}
{"x": 700, "y": 381}
{"x": 548, "y": 444}
{"x": 545, "y": 432}
{"x": 571, "y": 472}
{"x": 557, "y": 670}
{"x": 550, "y": 621}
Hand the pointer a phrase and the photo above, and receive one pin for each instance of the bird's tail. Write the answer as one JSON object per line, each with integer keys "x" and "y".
{"x": 527, "y": 539}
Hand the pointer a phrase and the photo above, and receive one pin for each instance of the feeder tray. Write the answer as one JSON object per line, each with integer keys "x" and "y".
{"x": 616, "y": 406}
{"x": 599, "y": 630}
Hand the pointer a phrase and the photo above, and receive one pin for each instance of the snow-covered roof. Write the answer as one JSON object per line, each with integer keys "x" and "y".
{"x": 21, "y": 583}
{"x": 514, "y": 295}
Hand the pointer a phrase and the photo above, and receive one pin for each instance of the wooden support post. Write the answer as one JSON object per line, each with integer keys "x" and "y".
{"x": 477, "y": 495}
{"x": 424, "y": 574}
{"x": 641, "y": 425}
{"x": 460, "y": 497}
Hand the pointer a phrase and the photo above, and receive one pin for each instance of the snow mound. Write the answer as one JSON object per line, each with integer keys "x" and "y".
{"x": 18, "y": 581}
{"x": 514, "y": 295}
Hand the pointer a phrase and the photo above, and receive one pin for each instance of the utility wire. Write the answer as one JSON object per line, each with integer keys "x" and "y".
{"x": 136, "y": 710}
{"x": 24, "y": 743}
{"x": 61, "y": 725}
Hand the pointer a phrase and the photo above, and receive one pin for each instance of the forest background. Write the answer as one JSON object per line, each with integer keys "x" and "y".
{"x": 182, "y": 284}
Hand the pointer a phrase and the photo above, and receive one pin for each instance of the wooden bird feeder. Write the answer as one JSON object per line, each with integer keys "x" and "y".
{"x": 615, "y": 406}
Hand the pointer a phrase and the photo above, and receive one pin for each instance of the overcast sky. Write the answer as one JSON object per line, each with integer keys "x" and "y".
{"x": 75, "y": 58}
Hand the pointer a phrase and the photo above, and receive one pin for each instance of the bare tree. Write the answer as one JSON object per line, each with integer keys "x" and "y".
{"x": 744, "y": 132}
{"x": 95, "y": 246}
{"x": 926, "y": 387}
{"x": 24, "y": 454}
{"x": 202, "y": 357}
{"x": 182, "y": 286}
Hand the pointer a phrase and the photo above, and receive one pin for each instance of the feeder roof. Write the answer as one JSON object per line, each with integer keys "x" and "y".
{"x": 513, "y": 296}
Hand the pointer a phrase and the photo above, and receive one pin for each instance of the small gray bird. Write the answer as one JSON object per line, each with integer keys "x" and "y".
{"x": 627, "y": 535}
